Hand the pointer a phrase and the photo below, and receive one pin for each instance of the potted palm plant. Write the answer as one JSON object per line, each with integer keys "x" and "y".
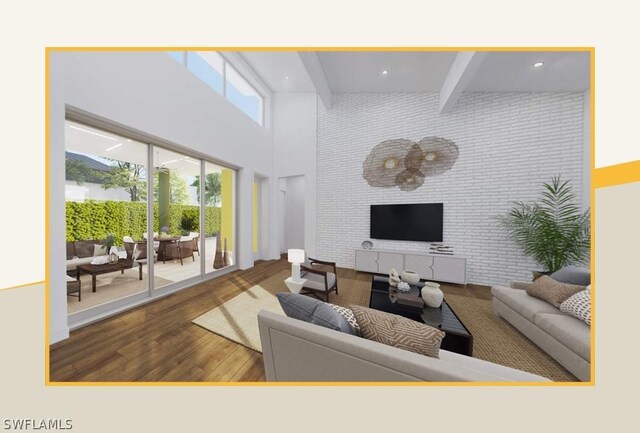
{"x": 553, "y": 231}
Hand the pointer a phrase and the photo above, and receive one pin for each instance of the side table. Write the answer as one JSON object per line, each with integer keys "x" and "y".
{"x": 295, "y": 286}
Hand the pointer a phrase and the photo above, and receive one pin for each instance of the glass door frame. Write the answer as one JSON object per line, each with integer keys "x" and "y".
{"x": 99, "y": 312}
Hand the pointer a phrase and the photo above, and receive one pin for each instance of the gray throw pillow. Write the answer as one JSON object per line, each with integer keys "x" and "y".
{"x": 573, "y": 275}
{"x": 313, "y": 311}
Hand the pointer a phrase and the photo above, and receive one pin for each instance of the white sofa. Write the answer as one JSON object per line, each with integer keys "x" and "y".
{"x": 297, "y": 351}
{"x": 563, "y": 337}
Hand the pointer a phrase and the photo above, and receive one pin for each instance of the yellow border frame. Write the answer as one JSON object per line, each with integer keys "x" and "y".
{"x": 599, "y": 178}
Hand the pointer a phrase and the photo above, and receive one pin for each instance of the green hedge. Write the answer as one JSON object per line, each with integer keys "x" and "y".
{"x": 94, "y": 219}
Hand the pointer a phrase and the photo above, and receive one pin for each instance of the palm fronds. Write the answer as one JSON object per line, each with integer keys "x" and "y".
{"x": 553, "y": 231}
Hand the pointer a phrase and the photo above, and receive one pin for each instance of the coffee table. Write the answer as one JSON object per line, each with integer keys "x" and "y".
{"x": 95, "y": 270}
{"x": 385, "y": 298}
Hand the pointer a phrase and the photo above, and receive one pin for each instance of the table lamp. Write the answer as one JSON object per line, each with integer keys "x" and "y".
{"x": 295, "y": 257}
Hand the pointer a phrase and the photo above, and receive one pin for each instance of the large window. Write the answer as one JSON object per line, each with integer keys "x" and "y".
{"x": 108, "y": 200}
{"x": 208, "y": 66}
{"x": 106, "y": 206}
{"x": 241, "y": 94}
{"x": 217, "y": 73}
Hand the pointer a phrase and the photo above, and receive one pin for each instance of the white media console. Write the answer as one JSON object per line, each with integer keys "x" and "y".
{"x": 436, "y": 267}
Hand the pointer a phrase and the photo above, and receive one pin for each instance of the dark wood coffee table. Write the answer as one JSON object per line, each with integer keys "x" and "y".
{"x": 95, "y": 270}
{"x": 385, "y": 298}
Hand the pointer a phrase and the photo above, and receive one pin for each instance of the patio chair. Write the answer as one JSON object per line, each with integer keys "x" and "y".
{"x": 156, "y": 244}
{"x": 180, "y": 249}
{"x": 196, "y": 241}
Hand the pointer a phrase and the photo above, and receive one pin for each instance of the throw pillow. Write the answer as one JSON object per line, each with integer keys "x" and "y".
{"x": 579, "y": 306}
{"x": 347, "y": 314}
{"x": 573, "y": 275}
{"x": 552, "y": 291}
{"x": 313, "y": 311}
{"x": 99, "y": 250}
{"x": 397, "y": 331}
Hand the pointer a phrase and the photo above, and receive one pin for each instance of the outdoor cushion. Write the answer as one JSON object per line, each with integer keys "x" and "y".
{"x": 525, "y": 305}
{"x": 572, "y": 332}
{"x": 99, "y": 250}
{"x": 313, "y": 311}
{"x": 73, "y": 263}
{"x": 315, "y": 281}
{"x": 573, "y": 275}
{"x": 84, "y": 248}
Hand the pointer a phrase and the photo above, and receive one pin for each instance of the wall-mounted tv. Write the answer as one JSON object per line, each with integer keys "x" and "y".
{"x": 407, "y": 222}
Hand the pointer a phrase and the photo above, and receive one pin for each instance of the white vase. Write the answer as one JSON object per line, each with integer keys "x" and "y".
{"x": 432, "y": 295}
{"x": 410, "y": 277}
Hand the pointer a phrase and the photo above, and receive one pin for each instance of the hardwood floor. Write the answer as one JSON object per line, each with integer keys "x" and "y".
{"x": 158, "y": 342}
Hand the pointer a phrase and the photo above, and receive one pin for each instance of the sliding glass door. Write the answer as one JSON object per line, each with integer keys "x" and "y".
{"x": 176, "y": 212}
{"x": 106, "y": 212}
{"x": 112, "y": 248}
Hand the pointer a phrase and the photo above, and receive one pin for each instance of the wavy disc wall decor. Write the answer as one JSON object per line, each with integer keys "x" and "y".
{"x": 405, "y": 164}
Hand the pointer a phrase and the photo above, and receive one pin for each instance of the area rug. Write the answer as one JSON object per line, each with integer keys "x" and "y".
{"x": 110, "y": 287}
{"x": 237, "y": 319}
{"x": 496, "y": 341}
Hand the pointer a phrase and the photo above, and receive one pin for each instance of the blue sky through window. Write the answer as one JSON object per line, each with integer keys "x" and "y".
{"x": 178, "y": 56}
{"x": 249, "y": 104}
{"x": 208, "y": 67}
{"x": 203, "y": 70}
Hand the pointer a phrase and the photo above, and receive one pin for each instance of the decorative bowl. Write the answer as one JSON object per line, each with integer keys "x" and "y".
{"x": 410, "y": 277}
{"x": 367, "y": 245}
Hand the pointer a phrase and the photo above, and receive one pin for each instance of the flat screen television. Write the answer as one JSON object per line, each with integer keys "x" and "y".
{"x": 407, "y": 222}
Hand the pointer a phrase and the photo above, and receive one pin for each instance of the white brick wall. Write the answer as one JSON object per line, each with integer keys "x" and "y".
{"x": 509, "y": 144}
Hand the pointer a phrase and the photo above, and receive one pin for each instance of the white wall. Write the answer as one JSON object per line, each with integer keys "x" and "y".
{"x": 294, "y": 213}
{"x": 295, "y": 143}
{"x": 509, "y": 144}
{"x": 151, "y": 93}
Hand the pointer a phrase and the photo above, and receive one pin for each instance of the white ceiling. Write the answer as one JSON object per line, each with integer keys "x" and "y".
{"x": 274, "y": 66}
{"x": 408, "y": 71}
{"x": 360, "y": 71}
{"x": 94, "y": 142}
{"x": 514, "y": 72}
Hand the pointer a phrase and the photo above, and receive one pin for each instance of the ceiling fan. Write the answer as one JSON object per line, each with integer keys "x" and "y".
{"x": 161, "y": 168}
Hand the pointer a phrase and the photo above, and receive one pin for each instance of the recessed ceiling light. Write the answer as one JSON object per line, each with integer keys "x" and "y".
{"x": 538, "y": 64}
{"x": 286, "y": 77}
{"x": 384, "y": 72}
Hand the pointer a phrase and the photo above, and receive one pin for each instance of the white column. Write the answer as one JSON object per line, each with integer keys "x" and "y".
{"x": 244, "y": 219}
{"x": 58, "y": 326}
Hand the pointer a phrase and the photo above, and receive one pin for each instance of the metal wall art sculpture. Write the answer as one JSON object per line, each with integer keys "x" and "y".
{"x": 405, "y": 164}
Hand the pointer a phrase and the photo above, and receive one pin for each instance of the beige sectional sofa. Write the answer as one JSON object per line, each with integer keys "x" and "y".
{"x": 565, "y": 338}
{"x": 297, "y": 351}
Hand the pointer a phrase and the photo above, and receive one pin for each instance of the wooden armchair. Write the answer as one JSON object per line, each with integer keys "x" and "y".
{"x": 320, "y": 278}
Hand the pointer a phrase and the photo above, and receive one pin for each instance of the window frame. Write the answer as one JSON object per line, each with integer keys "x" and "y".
{"x": 248, "y": 82}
